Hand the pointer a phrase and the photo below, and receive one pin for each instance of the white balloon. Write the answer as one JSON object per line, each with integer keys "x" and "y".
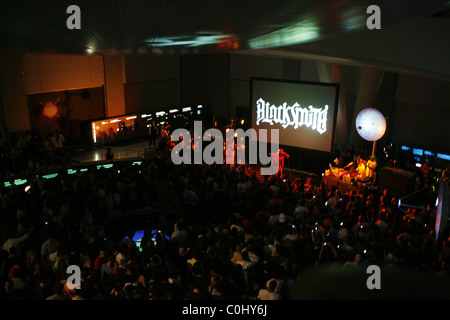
{"x": 370, "y": 124}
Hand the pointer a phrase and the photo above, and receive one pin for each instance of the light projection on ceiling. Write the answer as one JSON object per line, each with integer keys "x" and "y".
{"x": 200, "y": 39}
{"x": 301, "y": 32}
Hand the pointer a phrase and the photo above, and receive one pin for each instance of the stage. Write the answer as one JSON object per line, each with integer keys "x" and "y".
{"x": 139, "y": 149}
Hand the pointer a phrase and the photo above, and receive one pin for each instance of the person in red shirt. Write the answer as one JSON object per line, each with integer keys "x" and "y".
{"x": 100, "y": 260}
{"x": 281, "y": 157}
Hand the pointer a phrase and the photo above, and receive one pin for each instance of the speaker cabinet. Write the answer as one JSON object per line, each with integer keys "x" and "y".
{"x": 399, "y": 182}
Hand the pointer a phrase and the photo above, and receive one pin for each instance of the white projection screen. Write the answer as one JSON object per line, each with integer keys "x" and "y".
{"x": 303, "y": 112}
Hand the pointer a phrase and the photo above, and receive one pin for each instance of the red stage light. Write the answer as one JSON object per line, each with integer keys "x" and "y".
{"x": 50, "y": 110}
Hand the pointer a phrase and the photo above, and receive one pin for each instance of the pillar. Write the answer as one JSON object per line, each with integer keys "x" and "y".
{"x": 114, "y": 88}
{"x": 14, "y": 99}
{"x": 331, "y": 73}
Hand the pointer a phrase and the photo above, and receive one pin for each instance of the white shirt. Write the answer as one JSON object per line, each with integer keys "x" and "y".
{"x": 245, "y": 264}
{"x": 180, "y": 236}
{"x": 264, "y": 294}
{"x": 342, "y": 233}
{"x": 301, "y": 210}
{"x": 48, "y": 247}
{"x": 60, "y": 141}
{"x": 14, "y": 242}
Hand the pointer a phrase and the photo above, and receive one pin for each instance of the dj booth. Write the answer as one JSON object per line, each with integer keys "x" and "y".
{"x": 343, "y": 181}
{"x": 399, "y": 182}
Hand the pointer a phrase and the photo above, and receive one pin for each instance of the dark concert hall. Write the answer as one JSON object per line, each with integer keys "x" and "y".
{"x": 240, "y": 151}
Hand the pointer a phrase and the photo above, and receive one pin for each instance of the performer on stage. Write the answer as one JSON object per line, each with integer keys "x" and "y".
{"x": 152, "y": 133}
{"x": 165, "y": 138}
{"x": 361, "y": 170}
{"x": 371, "y": 166}
{"x": 281, "y": 156}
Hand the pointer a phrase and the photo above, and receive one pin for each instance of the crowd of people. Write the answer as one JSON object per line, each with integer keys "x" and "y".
{"x": 32, "y": 153}
{"x": 226, "y": 233}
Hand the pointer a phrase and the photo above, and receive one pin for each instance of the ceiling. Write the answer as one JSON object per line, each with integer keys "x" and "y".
{"x": 137, "y": 27}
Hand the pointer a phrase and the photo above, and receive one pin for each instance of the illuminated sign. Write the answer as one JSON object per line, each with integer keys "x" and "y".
{"x": 295, "y": 115}
{"x": 118, "y": 128}
{"x": 105, "y": 166}
{"x": 443, "y": 156}
{"x": 18, "y": 182}
{"x": 50, "y": 176}
{"x": 94, "y": 132}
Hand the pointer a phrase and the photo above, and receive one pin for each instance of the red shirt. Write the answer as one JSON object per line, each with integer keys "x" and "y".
{"x": 99, "y": 261}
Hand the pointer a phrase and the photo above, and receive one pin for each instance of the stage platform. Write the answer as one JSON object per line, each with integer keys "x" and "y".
{"x": 139, "y": 149}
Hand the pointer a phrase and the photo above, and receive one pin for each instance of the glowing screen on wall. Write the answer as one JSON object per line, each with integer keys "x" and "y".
{"x": 303, "y": 112}
{"x": 119, "y": 128}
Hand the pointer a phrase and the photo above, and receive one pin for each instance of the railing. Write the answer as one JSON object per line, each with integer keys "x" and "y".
{"x": 100, "y": 153}
{"x": 26, "y": 179}
{"x": 123, "y": 153}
